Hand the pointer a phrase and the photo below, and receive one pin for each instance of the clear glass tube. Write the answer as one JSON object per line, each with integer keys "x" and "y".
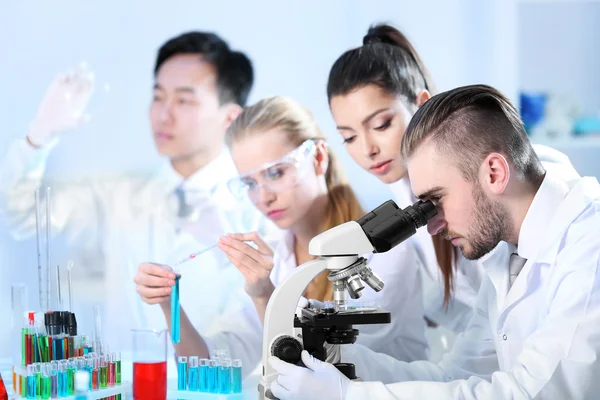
{"x": 175, "y": 313}
{"x": 182, "y": 373}
{"x": 203, "y": 384}
{"x": 236, "y": 376}
{"x": 193, "y": 374}
{"x": 224, "y": 376}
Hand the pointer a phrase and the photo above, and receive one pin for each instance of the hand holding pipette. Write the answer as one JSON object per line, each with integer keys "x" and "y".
{"x": 254, "y": 262}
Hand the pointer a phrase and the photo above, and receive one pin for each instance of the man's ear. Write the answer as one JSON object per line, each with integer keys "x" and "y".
{"x": 321, "y": 158}
{"x": 231, "y": 112}
{"x": 422, "y": 97}
{"x": 495, "y": 173}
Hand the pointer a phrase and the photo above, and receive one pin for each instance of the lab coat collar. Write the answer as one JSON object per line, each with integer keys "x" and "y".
{"x": 543, "y": 209}
{"x": 206, "y": 179}
{"x": 554, "y": 208}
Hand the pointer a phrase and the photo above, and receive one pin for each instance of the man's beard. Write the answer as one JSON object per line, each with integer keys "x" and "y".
{"x": 491, "y": 223}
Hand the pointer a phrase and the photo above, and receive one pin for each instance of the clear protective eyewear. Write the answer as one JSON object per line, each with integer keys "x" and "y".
{"x": 276, "y": 176}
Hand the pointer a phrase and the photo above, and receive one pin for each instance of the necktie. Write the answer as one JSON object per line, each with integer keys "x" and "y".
{"x": 184, "y": 209}
{"x": 514, "y": 267}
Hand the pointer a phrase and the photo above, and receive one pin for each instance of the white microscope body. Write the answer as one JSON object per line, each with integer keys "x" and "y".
{"x": 339, "y": 250}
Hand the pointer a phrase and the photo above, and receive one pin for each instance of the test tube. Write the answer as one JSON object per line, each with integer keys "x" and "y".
{"x": 31, "y": 384}
{"x": 182, "y": 373}
{"x": 46, "y": 381}
{"x": 62, "y": 378}
{"x": 193, "y": 374}
{"x": 213, "y": 369}
{"x": 175, "y": 312}
{"x": 236, "y": 375}
{"x": 104, "y": 360}
{"x": 203, "y": 384}
{"x": 221, "y": 355}
{"x": 96, "y": 373}
{"x": 54, "y": 379}
{"x": 38, "y": 380}
{"x": 81, "y": 364}
{"x": 71, "y": 368}
{"x": 87, "y": 345}
{"x": 117, "y": 372}
{"x": 112, "y": 369}
{"x": 225, "y": 376}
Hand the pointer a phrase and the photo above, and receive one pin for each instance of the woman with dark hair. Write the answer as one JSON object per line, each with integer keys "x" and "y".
{"x": 373, "y": 92}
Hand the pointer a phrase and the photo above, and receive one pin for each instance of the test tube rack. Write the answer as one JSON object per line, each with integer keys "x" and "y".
{"x": 124, "y": 389}
{"x": 191, "y": 395}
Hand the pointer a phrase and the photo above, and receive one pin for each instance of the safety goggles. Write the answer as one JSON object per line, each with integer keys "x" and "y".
{"x": 277, "y": 176}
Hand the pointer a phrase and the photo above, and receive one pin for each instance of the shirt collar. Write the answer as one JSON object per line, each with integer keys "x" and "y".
{"x": 543, "y": 207}
{"x": 206, "y": 179}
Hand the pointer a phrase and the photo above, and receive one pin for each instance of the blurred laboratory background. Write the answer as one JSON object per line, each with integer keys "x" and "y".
{"x": 545, "y": 55}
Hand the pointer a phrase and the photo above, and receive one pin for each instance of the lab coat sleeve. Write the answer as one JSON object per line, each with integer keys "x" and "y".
{"x": 73, "y": 207}
{"x": 558, "y": 361}
{"x": 404, "y": 337}
{"x": 473, "y": 354}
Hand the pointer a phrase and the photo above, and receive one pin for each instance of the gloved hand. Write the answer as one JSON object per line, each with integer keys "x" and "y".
{"x": 320, "y": 380}
{"x": 63, "y": 106}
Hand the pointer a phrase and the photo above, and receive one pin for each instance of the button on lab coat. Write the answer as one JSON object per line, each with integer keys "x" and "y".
{"x": 113, "y": 225}
{"x": 541, "y": 338}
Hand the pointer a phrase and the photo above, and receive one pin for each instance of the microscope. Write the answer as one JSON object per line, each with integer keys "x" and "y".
{"x": 340, "y": 251}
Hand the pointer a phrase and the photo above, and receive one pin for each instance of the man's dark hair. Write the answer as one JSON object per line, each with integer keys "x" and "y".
{"x": 468, "y": 123}
{"x": 233, "y": 68}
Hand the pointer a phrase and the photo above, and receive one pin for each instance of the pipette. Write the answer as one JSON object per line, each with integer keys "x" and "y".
{"x": 38, "y": 232}
{"x": 193, "y": 255}
{"x": 69, "y": 267}
{"x": 58, "y": 293}
{"x": 48, "y": 212}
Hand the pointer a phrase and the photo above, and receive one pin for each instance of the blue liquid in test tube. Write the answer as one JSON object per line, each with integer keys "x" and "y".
{"x": 182, "y": 373}
{"x": 193, "y": 374}
{"x": 31, "y": 381}
{"x": 203, "y": 386}
{"x": 236, "y": 382}
{"x": 175, "y": 319}
{"x": 225, "y": 376}
{"x": 63, "y": 379}
{"x": 213, "y": 383}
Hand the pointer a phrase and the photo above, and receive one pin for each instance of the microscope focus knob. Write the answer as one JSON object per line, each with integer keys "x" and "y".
{"x": 287, "y": 348}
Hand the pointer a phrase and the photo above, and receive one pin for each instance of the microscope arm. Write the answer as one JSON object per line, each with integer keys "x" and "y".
{"x": 281, "y": 309}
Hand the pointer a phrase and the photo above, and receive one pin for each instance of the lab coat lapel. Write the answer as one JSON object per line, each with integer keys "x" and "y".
{"x": 496, "y": 266}
{"x": 570, "y": 208}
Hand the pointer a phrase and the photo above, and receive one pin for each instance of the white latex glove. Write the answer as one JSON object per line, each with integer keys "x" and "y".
{"x": 320, "y": 380}
{"x": 63, "y": 106}
{"x": 305, "y": 303}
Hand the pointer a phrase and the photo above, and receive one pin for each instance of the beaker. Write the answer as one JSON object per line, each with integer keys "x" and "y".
{"x": 149, "y": 364}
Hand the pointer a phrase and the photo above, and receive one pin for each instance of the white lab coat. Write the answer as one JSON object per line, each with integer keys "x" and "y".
{"x": 541, "y": 338}
{"x": 468, "y": 274}
{"x": 403, "y": 338}
{"x": 113, "y": 225}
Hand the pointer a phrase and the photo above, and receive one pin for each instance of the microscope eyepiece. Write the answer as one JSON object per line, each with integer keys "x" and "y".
{"x": 388, "y": 225}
